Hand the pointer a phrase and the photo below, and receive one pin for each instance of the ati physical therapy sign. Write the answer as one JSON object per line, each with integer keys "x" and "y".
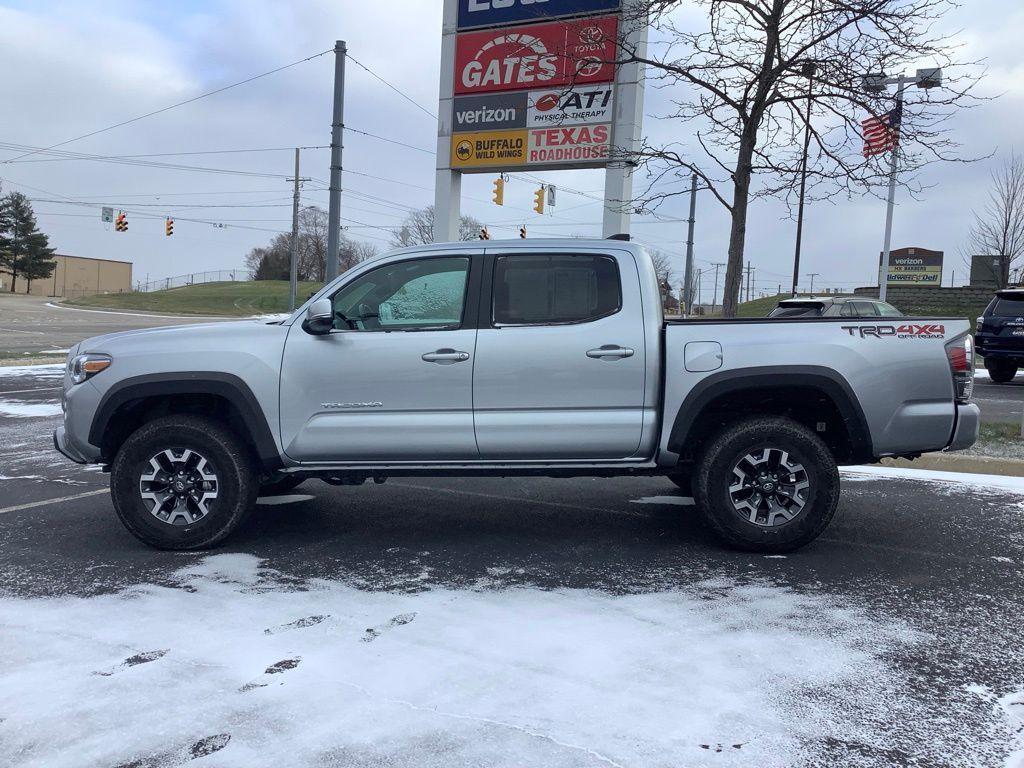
{"x": 574, "y": 52}
{"x": 531, "y": 109}
{"x": 488, "y": 13}
{"x": 914, "y": 266}
{"x": 581, "y": 146}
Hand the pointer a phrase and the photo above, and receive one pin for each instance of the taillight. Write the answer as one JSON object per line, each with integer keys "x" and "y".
{"x": 960, "y": 352}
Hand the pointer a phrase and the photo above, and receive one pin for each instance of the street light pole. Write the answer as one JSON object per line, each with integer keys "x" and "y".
{"x": 809, "y": 69}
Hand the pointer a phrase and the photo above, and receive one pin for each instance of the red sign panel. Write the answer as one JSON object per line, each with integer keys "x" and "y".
{"x": 536, "y": 55}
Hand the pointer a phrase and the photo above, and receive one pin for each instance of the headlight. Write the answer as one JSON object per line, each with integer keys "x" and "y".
{"x": 84, "y": 367}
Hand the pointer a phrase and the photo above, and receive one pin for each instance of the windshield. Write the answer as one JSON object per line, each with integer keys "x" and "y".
{"x": 1008, "y": 307}
{"x": 805, "y": 309}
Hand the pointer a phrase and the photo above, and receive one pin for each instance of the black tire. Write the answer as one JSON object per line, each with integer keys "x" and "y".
{"x": 280, "y": 484}
{"x": 1001, "y": 371}
{"x": 228, "y": 462}
{"x": 750, "y": 437}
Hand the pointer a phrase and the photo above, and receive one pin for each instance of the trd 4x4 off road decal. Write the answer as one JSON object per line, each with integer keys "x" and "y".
{"x": 905, "y": 331}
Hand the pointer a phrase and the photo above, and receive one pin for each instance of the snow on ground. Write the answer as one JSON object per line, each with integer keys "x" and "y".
{"x": 33, "y": 410}
{"x": 978, "y": 482}
{"x": 324, "y": 673}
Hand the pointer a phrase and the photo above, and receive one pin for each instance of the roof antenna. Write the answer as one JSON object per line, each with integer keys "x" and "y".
{"x": 620, "y": 236}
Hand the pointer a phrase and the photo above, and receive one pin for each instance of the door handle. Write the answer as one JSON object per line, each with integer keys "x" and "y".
{"x": 610, "y": 351}
{"x": 445, "y": 356}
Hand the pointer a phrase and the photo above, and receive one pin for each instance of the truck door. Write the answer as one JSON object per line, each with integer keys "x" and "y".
{"x": 393, "y": 380}
{"x": 560, "y": 360}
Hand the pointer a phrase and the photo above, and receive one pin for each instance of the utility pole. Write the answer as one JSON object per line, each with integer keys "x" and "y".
{"x": 714, "y": 296}
{"x": 337, "y": 125}
{"x": 812, "y": 275}
{"x": 293, "y": 270}
{"x": 688, "y": 274}
{"x": 748, "y": 280}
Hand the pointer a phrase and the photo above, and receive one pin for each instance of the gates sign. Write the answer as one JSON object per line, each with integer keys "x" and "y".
{"x": 492, "y": 13}
{"x": 577, "y": 52}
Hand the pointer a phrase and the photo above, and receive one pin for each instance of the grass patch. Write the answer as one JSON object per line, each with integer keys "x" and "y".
{"x": 232, "y": 299}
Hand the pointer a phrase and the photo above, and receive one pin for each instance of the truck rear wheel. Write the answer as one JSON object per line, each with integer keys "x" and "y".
{"x": 1001, "y": 371}
{"x": 183, "y": 482}
{"x": 767, "y": 484}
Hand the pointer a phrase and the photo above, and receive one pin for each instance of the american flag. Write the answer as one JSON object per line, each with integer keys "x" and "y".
{"x": 882, "y": 133}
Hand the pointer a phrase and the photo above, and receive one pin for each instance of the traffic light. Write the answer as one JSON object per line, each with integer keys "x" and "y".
{"x": 484, "y": 234}
{"x": 499, "y": 191}
{"x": 538, "y": 200}
{"x": 169, "y": 226}
{"x": 522, "y": 231}
{"x": 121, "y": 222}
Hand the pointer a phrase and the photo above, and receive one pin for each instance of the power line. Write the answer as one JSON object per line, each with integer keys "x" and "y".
{"x": 174, "y": 106}
{"x": 390, "y": 141}
{"x": 401, "y": 93}
{"x": 83, "y": 156}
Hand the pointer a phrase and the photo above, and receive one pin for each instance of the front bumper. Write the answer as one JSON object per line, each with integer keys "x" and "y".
{"x": 61, "y": 444}
{"x": 965, "y": 433}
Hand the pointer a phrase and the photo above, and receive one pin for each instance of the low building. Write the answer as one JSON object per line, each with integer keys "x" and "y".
{"x": 76, "y": 276}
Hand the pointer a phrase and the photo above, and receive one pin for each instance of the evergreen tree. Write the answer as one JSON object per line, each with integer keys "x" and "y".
{"x": 24, "y": 250}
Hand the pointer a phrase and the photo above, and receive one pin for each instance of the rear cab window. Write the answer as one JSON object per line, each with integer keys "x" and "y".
{"x": 555, "y": 289}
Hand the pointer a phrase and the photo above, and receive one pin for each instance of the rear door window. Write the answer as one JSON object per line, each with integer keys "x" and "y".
{"x": 556, "y": 289}
{"x": 802, "y": 309}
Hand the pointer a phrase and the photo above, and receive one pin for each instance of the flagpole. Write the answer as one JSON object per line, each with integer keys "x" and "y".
{"x": 883, "y": 270}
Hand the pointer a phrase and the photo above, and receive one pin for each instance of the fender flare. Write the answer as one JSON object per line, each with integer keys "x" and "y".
{"x": 225, "y": 385}
{"x": 829, "y": 382}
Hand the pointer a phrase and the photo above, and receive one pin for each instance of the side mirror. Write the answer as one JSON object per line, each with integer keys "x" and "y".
{"x": 319, "y": 318}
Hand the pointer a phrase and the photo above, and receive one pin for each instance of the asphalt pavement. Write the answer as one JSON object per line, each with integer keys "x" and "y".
{"x": 36, "y": 325}
{"x": 895, "y": 639}
{"x": 1000, "y": 402}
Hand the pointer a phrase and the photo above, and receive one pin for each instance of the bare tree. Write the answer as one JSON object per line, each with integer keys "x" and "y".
{"x": 998, "y": 229}
{"x": 740, "y": 81}
{"x": 664, "y": 272}
{"x": 418, "y": 228}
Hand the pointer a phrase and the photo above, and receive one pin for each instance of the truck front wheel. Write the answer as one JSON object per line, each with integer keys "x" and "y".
{"x": 183, "y": 482}
{"x": 767, "y": 484}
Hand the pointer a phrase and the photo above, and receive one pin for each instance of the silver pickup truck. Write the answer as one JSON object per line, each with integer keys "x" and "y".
{"x": 539, "y": 357}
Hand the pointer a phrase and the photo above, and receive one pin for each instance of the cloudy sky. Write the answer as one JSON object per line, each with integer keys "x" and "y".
{"x": 75, "y": 67}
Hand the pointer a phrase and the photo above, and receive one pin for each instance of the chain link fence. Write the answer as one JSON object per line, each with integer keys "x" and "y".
{"x": 194, "y": 278}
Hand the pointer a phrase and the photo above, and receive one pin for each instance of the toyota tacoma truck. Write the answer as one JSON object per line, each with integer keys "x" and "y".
{"x": 540, "y": 357}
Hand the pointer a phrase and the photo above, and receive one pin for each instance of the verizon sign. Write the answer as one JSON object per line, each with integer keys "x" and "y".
{"x": 576, "y": 52}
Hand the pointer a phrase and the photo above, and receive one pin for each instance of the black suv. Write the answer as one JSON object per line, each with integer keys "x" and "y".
{"x": 999, "y": 334}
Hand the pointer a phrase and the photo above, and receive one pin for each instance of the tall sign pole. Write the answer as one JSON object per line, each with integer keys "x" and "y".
{"x": 447, "y": 182}
{"x": 688, "y": 274}
{"x": 883, "y": 269}
{"x": 337, "y": 126}
{"x": 629, "y": 113}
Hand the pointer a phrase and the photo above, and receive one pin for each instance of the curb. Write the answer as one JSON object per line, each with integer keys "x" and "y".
{"x": 958, "y": 462}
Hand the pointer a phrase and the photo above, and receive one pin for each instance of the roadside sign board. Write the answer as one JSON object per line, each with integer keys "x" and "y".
{"x": 914, "y": 266}
{"x": 107, "y": 214}
{"x": 490, "y": 111}
{"x": 570, "y": 106}
{"x": 483, "y": 149}
{"x": 492, "y": 13}
{"x": 576, "y": 52}
{"x": 578, "y": 144}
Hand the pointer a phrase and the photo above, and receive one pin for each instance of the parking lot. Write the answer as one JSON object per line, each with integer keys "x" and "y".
{"x": 585, "y": 622}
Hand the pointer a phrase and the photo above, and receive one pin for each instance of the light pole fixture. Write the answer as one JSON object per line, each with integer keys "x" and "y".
{"x": 878, "y": 83}
{"x": 808, "y": 69}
